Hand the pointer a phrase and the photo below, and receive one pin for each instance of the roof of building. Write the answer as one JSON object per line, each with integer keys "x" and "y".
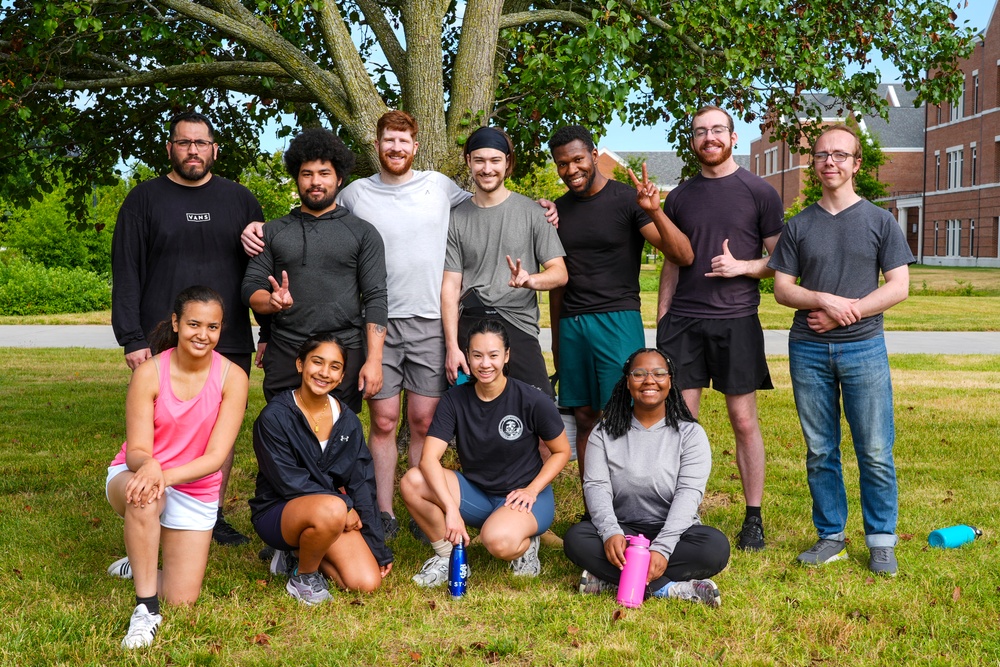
{"x": 905, "y": 128}
{"x": 664, "y": 167}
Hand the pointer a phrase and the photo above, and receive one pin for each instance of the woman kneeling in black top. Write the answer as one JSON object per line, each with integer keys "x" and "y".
{"x": 503, "y": 488}
{"x": 315, "y": 501}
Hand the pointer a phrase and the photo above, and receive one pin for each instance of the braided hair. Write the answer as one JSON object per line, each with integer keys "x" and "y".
{"x": 617, "y": 417}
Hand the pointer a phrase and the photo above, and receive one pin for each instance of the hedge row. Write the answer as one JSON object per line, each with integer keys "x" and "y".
{"x": 27, "y": 288}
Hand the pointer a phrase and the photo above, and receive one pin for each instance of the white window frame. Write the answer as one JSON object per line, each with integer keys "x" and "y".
{"x": 956, "y": 158}
{"x": 957, "y": 108}
{"x": 953, "y": 239}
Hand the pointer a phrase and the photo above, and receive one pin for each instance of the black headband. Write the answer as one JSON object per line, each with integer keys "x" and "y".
{"x": 487, "y": 137}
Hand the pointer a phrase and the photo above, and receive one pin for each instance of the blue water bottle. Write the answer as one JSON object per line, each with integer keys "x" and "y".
{"x": 458, "y": 571}
{"x": 953, "y": 536}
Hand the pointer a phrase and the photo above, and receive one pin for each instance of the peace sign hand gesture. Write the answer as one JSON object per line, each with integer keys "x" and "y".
{"x": 281, "y": 298}
{"x": 647, "y": 194}
{"x": 518, "y": 276}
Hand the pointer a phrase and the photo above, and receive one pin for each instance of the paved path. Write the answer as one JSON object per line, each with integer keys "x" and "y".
{"x": 775, "y": 342}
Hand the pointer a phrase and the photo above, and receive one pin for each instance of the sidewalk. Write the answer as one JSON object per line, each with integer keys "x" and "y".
{"x": 775, "y": 342}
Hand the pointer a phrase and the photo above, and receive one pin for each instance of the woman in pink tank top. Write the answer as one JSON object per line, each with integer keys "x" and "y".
{"x": 183, "y": 412}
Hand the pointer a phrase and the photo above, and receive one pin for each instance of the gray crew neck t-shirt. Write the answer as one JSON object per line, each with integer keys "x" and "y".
{"x": 479, "y": 239}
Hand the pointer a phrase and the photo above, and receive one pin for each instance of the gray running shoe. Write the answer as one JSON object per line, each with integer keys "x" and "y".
{"x": 390, "y": 526}
{"x": 142, "y": 628}
{"x": 283, "y": 563}
{"x": 883, "y": 561}
{"x": 121, "y": 568}
{"x": 823, "y": 552}
{"x": 433, "y": 573}
{"x": 696, "y": 590}
{"x": 591, "y": 584}
{"x": 527, "y": 564}
{"x": 308, "y": 588}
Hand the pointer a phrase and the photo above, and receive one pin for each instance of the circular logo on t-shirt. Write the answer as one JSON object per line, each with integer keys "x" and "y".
{"x": 511, "y": 428}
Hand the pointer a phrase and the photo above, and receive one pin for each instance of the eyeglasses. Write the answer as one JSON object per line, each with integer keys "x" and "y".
{"x": 838, "y": 156}
{"x": 717, "y": 131}
{"x": 184, "y": 144}
{"x": 640, "y": 374}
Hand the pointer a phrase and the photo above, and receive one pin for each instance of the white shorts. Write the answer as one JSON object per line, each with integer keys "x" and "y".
{"x": 180, "y": 511}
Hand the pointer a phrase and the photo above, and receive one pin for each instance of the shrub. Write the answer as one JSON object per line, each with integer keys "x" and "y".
{"x": 27, "y": 288}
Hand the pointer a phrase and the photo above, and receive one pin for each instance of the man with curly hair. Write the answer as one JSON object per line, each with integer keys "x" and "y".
{"x": 322, "y": 269}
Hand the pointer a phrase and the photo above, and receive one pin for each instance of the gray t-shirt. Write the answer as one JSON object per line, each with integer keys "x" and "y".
{"x": 840, "y": 254}
{"x": 413, "y": 220}
{"x": 479, "y": 239}
{"x": 647, "y": 476}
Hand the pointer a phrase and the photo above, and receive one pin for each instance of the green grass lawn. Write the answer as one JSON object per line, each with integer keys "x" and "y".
{"x": 62, "y": 420}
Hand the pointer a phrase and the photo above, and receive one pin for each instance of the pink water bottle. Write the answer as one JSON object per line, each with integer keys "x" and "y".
{"x": 632, "y": 585}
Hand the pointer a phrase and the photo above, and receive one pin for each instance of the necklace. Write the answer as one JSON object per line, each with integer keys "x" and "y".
{"x": 322, "y": 413}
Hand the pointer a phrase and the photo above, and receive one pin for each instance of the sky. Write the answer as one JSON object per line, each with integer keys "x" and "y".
{"x": 624, "y": 138}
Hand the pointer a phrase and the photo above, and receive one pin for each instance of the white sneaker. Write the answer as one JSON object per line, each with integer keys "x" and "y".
{"x": 142, "y": 628}
{"x": 121, "y": 568}
{"x": 433, "y": 573}
{"x": 527, "y": 564}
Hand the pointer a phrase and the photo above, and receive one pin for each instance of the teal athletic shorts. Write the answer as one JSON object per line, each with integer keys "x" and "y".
{"x": 592, "y": 349}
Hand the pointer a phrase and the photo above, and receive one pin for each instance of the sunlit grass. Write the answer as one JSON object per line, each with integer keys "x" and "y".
{"x": 61, "y": 421}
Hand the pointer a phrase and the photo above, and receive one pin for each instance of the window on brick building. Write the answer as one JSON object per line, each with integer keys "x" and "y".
{"x": 972, "y": 238}
{"x": 937, "y": 170}
{"x": 756, "y": 164}
{"x": 974, "y": 166}
{"x": 953, "y": 238}
{"x": 957, "y": 106}
{"x": 975, "y": 92}
{"x": 955, "y": 159}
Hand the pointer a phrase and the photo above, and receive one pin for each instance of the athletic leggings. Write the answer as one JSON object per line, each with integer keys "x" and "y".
{"x": 702, "y": 552}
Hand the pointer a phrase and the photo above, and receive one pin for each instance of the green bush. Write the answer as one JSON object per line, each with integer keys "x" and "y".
{"x": 27, "y": 288}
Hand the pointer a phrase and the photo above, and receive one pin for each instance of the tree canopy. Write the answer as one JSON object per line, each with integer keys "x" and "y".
{"x": 85, "y": 84}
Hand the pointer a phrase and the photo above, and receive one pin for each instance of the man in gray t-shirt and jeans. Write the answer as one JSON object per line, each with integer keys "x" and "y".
{"x": 497, "y": 243}
{"x": 836, "y": 249}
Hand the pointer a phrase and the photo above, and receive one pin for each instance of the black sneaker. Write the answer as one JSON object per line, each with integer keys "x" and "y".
{"x": 390, "y": 527}
{"x": 266, "y": 554}
{"x": 417, "y": 532}
{"x": 751, "y": 537}
{"x": 225, "y": 534}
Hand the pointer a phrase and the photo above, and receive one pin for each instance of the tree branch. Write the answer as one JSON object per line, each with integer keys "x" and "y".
{"x": 188, "y": 72}
{"x": 543, "y": 16}
{"x": 241, "y": 24}
{"x": 395, "y": 55}
{"x": 693, "y": 46}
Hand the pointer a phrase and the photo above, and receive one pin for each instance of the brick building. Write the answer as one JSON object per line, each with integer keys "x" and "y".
{"x": 961, "y": 194}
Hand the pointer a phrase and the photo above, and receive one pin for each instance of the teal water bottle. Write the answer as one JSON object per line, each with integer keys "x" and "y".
{"x": 953, "y": 536}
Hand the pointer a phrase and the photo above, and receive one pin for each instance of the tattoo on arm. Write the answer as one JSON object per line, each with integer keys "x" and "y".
{"x": 379, "y": 330}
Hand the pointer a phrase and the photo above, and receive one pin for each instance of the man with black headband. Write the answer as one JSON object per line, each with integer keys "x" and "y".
{"x": 497, "y": 243}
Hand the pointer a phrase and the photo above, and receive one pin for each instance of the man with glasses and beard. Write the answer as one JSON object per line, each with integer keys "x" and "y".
{"x": 179, "y": 230}
{"x": 322, "y": 269}
{"x": 708, "y": 310}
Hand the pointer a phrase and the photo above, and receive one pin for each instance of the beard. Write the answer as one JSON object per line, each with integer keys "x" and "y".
{"x": 395, "y": 171}
{"x": 719, "y": 158}
{"x": 194, "y": 171}
{"x": 492, "y": 188}
{"x": 310, "y": 203}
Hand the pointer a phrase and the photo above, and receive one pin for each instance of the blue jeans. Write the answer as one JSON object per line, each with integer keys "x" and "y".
{"x": 821, "y": 373}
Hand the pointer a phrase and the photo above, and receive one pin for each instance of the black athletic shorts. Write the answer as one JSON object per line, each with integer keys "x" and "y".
{"x": 727, "y": 352}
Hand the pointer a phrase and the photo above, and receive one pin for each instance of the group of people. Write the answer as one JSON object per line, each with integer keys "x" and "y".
{"x": 403, "y": 281}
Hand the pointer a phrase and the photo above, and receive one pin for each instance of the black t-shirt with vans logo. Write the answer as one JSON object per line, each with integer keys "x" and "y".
{"x": 497, "y": 440}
